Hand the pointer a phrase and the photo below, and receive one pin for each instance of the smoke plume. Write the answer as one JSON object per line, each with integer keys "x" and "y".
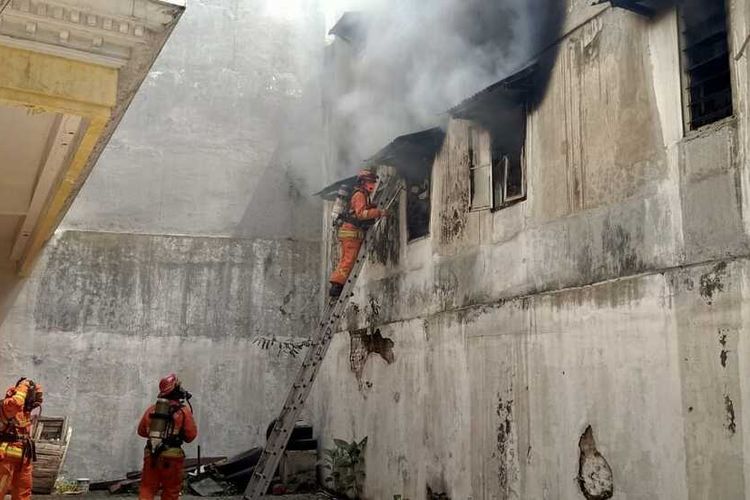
{"x": 419, "y": 58}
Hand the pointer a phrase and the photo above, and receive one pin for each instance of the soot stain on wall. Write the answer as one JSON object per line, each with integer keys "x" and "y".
{"x": 731, "y": 424}
{"x": 711, "y": 283}
{"x": 618, "y": 243}
{"x": 724, "y": 352}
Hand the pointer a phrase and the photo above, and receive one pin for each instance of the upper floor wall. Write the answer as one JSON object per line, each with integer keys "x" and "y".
{"x": 222, "y": 141}
{"x": 616, "y": 183}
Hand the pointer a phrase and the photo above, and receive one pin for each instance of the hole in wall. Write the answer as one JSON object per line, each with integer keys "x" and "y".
{"x": 363, "y": 344}
{"x": 594, "y": 473}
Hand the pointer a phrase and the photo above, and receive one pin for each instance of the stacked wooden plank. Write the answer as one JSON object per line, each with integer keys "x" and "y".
{"x": 52, "y": 435}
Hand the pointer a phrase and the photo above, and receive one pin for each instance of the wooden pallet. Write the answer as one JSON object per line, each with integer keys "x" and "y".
{"x": 52, "y": 435}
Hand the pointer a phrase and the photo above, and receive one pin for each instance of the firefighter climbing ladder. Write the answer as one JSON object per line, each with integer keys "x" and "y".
{"x": 295, "y": 401}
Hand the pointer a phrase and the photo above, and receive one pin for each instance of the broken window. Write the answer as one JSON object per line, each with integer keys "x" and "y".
{"x": 497, "y": 167}
{"x": 418, "y": 208}
{"x": 705, "y": 61}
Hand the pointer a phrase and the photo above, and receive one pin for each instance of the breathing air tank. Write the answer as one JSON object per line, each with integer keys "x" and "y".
{"x": 160, "y": 419}
{"x": 341, "y": 204}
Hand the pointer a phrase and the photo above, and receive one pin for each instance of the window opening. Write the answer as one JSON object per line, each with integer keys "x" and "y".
{"x": 480, "y": 169}
{"x": 418, "y": 205}
{"x": 705, "y": 61}
{"x": 498, "y": 176}
{"x": 514, "y": 185}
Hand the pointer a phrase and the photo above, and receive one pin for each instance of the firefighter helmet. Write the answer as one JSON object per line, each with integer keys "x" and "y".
{"x": 168, "y": 384}
{"x": 367, "y": 176}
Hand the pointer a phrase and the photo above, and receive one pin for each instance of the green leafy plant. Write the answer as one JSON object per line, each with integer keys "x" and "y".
{"x": 346, "y": 464}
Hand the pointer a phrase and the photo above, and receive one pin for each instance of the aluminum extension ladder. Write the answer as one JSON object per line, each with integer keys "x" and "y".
{"x": 282, "y": 430}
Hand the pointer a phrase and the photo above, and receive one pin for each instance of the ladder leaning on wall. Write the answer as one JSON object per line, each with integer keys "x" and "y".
{"x": 300, "y": 390}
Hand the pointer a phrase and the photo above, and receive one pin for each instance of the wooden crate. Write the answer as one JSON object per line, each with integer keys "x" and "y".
{"x": 52, "y": 435}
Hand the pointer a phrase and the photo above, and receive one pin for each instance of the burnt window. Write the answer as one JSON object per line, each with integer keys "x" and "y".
{"x": 418, "y": 208}
{"x": 497, "y": 168}
{"x": 705, "y": 62}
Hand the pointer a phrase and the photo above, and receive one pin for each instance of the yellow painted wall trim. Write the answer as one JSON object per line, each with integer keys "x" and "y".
{"x": 63, "y": 195}
{"x": 19, "y": 98}
{"x": 57, "y": 77}
{"x": 49, "y": 83}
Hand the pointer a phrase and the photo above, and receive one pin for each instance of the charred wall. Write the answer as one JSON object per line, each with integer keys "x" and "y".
{"x": 611, "y": 299}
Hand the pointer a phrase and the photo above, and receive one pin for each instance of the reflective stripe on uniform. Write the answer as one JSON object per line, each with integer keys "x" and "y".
{"x": 11, "y": 451}
{"x": 172, "y": 452}
{"x": 20, "y": 394}
{"x": 354, "y": 234}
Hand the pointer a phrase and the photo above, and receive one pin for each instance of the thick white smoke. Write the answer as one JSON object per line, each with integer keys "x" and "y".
{"x": 421, "y": 57}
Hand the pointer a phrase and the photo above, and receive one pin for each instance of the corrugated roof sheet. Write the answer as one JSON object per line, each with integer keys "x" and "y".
{"x": 411, "y": 155}
{"x": 329, "y": 192}
{"x": 350, "y": 27}
{"x": 508, "y": 92}
{"x": 643, "y": 7}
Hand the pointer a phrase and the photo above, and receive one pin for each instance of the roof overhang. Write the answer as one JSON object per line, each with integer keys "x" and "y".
{"x": 501, "y": 107}
{"x": 648, "y": 8}
{"x": 70, "y": 69}
{"x": 329, "y": 192}
{"x": 412, "y": 156}
{"x": 510, "y": 92}
{"x": 350, "y": 27}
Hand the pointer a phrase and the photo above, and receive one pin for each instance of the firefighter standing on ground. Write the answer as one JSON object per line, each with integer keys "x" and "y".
{"x": 167, "y": 425}
{"x": 16, "y": 446}
{"x": 359, "y": 216}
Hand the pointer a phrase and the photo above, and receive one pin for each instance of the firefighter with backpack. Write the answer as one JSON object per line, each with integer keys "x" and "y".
{"x": 355, "y": 216}
{"x": 17, "y": 450}
{"x": 166, "y": 425}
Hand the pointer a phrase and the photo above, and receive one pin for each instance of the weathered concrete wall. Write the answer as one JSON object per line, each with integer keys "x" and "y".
{"x": 490, "y": 401}
{"x": 220, "y": 139}
{"x": 106, "y": 315}
{"x": 614, "y": 296}
{"x": 195, "y": 235}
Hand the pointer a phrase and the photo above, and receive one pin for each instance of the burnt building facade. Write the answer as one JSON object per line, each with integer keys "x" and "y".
{"x": 565, "y": 314}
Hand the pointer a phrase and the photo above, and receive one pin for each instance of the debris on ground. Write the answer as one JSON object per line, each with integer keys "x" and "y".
{"x": 132, "y": 480}
{"x": 297, "y": 472}
{"x": 224, "y": 477}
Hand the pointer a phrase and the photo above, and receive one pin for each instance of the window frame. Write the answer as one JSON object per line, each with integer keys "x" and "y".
{"x": 690, "y": 124}
{"x": 509, "y": 200}
{"x": 475, "y": 166}
{"x": 502, "y": 199}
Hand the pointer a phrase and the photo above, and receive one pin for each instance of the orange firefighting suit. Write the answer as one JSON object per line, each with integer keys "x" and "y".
{"x": 166, "y": 470}
{"x": 15, "y": 454}
{"x": 351, "y": 237}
